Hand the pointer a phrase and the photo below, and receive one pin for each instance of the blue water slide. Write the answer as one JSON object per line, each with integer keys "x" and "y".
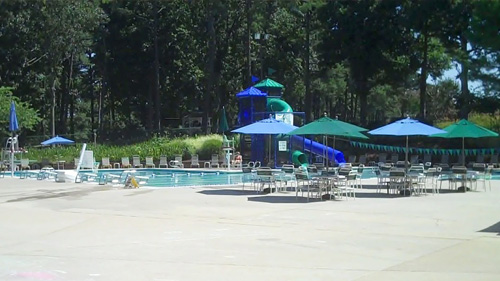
{"x": 279, "y": 105}
{"x": 317, "y": 148}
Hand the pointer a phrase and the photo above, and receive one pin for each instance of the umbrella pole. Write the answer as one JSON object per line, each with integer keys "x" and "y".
{"x": 327, "y": 156}
{"x": 463, "y": 152}
{"x": 12, "y": 168}
{"x": 406, "y": 162}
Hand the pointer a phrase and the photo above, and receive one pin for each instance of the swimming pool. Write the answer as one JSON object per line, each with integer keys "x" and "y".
{"x": 179, "y": 178}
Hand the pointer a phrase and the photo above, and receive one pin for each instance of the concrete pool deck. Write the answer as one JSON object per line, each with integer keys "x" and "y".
{"x": 68, "y": 231}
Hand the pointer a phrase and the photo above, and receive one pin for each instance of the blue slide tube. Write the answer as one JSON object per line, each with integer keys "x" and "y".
{"x": 318, "y": 148}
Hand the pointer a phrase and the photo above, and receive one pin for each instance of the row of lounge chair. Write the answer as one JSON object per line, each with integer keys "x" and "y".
{"x": 415, "y": 159}
{"x": 177, "y": 162}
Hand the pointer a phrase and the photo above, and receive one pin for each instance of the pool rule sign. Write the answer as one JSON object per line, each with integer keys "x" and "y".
{"x": 282, "y": 146}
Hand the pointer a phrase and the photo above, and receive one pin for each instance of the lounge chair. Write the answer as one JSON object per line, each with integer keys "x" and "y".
{"x": 163, "y": 161}
{"x": 25, "y": 164}
{"x": 126, "y": 162}
{"x": 177, "y": 162}
{"x": 105, "y": 164}
{"x": 494, "y": 160}
{"x": 352, "y": 159}
{"x": 445, "y": 159}
{"x": 150, "y": 162}
{"x": 214, "y": 162}
{"x": 362, "y": 159}
{"x": 382, "y": 157}
{"x": 194, "y": 161}
{"x": 394, "y": 158}
{"x": 427, "y": 158}
{"x": 414, "y": 160}
{"x": 136, "y": 161}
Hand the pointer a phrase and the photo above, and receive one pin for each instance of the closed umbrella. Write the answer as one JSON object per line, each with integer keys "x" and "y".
{"x": 13, "y": 126}
{"x": 223, "y": 126}
{"x": 465, "y": 129}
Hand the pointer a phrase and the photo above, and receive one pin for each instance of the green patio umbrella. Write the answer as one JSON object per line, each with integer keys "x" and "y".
{"x": 223, "y": 126}
{"x": 465, "y": 129}
{"x": 330, "y": 127}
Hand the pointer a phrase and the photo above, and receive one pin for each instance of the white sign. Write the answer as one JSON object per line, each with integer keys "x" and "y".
{"x": 282, "y": 146}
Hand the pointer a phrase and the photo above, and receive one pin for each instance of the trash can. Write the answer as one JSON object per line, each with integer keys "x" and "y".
{"x": 60, "y": 176}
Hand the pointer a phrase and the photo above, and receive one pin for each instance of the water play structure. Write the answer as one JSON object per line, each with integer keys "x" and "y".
{"x": 263, "y": 100}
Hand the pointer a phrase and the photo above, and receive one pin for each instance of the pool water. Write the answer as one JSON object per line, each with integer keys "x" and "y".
{"x": 177, "y": 178}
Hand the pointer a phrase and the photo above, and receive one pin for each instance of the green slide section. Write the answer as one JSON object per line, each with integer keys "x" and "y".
{"x": 278, "y": 105}
{"x": 299, "y": 158}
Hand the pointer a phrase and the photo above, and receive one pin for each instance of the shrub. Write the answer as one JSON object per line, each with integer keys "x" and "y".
{"x": 209, "y": 147}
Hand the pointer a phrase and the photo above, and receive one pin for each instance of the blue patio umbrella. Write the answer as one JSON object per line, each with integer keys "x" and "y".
{"x": 57, "y": 140}
{"x": 269, "y": 126}
{"x": 13, "y": 126}
{"x": 406, "y": 127}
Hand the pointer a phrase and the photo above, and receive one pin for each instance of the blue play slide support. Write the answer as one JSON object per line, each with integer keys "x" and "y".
{"x": 317, "y": 148}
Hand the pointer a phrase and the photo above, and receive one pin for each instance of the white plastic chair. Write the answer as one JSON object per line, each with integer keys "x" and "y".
{"x": 163, "y": 161}
{"x": 150, "y": 162}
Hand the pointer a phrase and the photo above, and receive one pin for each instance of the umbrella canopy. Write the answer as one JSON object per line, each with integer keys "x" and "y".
{"x": 269, "y": 126}
{"x": 13, "y": 125}
{"x": 332, "y": 127}
{"x": 251, "y": 92}
{"x": 406, "y": 127}
{"x": 57, "y": 140}
{"x": 465, "y": 129}
{"x": 223, "y": 126}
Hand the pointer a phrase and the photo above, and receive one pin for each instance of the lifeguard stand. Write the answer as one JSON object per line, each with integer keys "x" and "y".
{"x": 10, "y": 150}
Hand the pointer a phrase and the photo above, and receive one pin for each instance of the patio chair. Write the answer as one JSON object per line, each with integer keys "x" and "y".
{"x": 105, "y": 163}
{"x": 150, "y": 162}
{"x": 163, "y": 161}
{"x": 126, "y": 162}
{"x": 195, "y": 161}
{"x": 136, "y": 161}
{"x": 214, "y": 162}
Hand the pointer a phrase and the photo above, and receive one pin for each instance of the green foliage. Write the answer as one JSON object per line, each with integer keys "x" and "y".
{"x": 204, "y": 146}
{"x": 488, "y": 121}
{"x": 27, "y": 117}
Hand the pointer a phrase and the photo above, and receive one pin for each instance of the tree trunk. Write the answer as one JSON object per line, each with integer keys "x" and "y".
{"x": 53, "y": 107}
{"x": 363, "y": 101}
{"x": 248, "y": 43}
{"x": 209, "y": 67}
{"x": 308, "y": 96}
{"x": 464, "y": 81}
{"x": 156, "y": 82}
{"x": 423, "y": 77}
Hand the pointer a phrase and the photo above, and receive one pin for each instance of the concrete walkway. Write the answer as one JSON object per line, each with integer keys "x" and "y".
{"x": 66, "y": 231}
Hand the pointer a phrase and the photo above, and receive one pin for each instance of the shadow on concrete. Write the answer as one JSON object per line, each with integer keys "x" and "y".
{"x": 282, "y": 199}
{"x": 492, "y": 229}
{"x": 230, "y": 192}
{"x": 58, "y": 193}
{"x": 381, "y": 195}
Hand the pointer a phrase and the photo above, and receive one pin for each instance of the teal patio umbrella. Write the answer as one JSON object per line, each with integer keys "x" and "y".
{"x": 465, "y": 129}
